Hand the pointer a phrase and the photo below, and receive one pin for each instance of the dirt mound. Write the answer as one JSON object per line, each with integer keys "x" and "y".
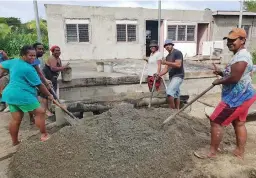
{"x": 123, "y": 142}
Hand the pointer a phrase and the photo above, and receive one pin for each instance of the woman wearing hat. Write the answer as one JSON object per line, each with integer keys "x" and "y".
{"x": 154, "y": 66}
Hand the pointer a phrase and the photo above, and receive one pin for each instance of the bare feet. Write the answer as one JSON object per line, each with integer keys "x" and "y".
{"x": 16, "y": 143}
{"x": 237, "y": 153}
{"x": 48, "y": 113}
{"x": 204, "y": 155}
{"x": 44, "y": 137}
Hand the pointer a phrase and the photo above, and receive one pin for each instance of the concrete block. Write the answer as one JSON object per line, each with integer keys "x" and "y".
{"x": 60, "y": 116}
{"x": 87, "y": 114}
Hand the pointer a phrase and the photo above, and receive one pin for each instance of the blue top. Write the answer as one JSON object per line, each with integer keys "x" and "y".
{"x": 236, "y": 94}
{"x": 36, "y": 62}
{"x": 21, "y": 89}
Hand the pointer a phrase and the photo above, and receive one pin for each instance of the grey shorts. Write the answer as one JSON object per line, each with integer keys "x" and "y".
{"x": 173, "y": 88}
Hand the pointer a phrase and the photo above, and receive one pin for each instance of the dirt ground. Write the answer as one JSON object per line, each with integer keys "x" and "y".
{"x": 125, "y": 142}
{"x": 130, "y": 143}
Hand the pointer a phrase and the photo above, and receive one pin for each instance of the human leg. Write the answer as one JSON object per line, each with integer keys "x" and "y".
{"x": 177, "y": 103}
{"x": 40, "y": 122}
{"x": 14, "y": 124}
{"x": 241, "y": 137}
{"x": 173, "y": 92}
{"x": 150, "y": 81}
{"x": 39, "y": 115}
{"x": 216, "y": 137}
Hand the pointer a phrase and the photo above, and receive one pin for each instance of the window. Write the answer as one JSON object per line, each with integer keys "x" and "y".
{"x": 77, "y": 30}
{"x": 247, "y": 29}
{"x": 126, "y": 32}
{"x": 181, "y": 32}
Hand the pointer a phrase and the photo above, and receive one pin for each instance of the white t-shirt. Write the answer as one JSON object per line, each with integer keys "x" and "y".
{"x": 152, "y": 63}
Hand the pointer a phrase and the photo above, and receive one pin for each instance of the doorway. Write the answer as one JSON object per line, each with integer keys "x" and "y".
{"x": 202, "y": 35}
{"x": 151, "y": 33}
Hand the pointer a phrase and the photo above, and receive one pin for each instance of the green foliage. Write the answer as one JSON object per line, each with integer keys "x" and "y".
{"x": 250, "y": 5}
{"x": 254, "y": 57}
{"x": 4, "y": 30}
{"x": 14, "y": 34}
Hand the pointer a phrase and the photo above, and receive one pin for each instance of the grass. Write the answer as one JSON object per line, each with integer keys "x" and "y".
{"x": 254, "y": 79}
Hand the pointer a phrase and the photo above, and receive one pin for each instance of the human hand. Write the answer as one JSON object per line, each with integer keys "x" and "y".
{"x": 156, "y": 76}
{"x": 216, "y": 70}
{"x": 49, "y": 84}
{"x": 216, "y": 82}
{"x": 145, "y": 59}
{"x": 4, "y": 55}
{"x": 163, "y": 62}
{"x": 66, "y": 66}
{"x": 50, "y": 97}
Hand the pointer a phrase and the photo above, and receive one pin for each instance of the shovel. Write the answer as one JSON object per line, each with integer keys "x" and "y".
{"x": 152, "y": 92}
{"x": 74, "y": 118}
{"x": 189, "y": 103}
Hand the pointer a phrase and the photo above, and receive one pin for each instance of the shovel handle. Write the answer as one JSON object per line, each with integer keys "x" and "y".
{"x": 64, "y": 109}
{"x": 152, "y": 92}
{"x": 189, "y": 103}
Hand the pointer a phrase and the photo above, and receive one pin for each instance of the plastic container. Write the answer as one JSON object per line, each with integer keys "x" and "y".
{"x": 108, "y": 67}
{"x": 66, "y": 75}
{"x": 100, "y": 66}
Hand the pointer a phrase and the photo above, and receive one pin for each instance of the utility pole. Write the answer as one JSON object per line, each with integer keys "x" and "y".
{"x": 39, "y": 39}
{"x": 159, "y": 22}
{"x": 241, "y": 13}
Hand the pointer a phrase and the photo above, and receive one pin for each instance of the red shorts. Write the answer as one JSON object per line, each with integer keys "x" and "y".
{"x": 224, "y": 115}
{"x": 151, "y": 82}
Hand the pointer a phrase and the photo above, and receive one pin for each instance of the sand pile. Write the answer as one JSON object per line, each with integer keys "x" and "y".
{"x": 123, "y": 142}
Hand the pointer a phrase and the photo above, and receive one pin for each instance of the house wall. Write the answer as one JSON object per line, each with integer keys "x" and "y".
{"x": 102, "y": 27}
{"x": 224, "y": 24}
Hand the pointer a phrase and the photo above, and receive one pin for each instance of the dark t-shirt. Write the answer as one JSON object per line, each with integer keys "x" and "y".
{"x": 171, "y": 57}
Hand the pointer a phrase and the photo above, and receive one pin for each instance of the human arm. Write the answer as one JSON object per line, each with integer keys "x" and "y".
{"x": 177, "y": 60}
{"x": 164, "y": 71}
{"x": 4, "y": 67}
{"x": 53, "y": 65}
{"x": 237, "y": 70}
{"x": 34, "y": 80}
{"x": 5, "y": 56}
{"x": 46, "y": 82}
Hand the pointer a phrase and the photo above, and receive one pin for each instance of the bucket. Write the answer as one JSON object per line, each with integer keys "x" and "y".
{"x": 66, "y": 75}
{"x": 100, "y": 66}
{"x": 108, "y": 67}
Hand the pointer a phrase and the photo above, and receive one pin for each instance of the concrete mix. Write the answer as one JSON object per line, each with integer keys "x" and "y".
{"x": 122, "y": 142}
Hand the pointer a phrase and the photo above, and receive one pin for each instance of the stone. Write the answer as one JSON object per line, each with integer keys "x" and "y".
{"x": 87, "y": 114}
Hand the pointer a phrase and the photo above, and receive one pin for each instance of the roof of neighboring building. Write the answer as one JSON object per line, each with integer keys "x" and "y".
{"x": 233, "y": 13}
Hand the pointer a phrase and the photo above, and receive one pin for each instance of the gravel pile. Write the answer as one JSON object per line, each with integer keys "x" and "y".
{"x": 122, "y": 142}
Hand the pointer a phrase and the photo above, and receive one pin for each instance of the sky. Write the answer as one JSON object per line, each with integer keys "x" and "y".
{"x": 23, "y": 9}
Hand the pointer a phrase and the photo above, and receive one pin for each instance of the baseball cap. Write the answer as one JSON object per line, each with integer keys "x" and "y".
{"x": 236, "y": 33}
{"x": 167, "y": 42}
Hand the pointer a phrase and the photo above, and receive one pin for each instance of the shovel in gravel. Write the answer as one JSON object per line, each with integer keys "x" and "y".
{"x": 74, "y": 119}
{"x": 189, "y": 103}
{"x": 152, "y": 92}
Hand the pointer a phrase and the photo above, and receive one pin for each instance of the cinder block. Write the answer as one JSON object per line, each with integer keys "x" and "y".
{"x": 87, "y": 114}
{"x": 60, "y": 116}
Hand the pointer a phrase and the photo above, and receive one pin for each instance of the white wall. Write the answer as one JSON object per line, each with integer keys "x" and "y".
{"x": 102, "y": 29}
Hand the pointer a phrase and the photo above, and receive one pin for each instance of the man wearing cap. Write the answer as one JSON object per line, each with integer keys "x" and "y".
{"x": 237, "y": 94}
{"x": 154, "y": 66}
{"x": 174, "y": 64}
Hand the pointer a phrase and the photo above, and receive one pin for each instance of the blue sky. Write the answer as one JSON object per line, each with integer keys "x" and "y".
{"x": 23, "y": 9}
